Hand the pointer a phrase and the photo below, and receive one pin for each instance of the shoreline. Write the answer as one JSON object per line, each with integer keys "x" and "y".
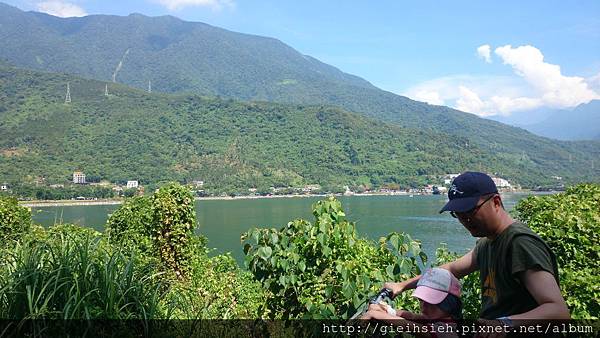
{"x": 60, "y": 203}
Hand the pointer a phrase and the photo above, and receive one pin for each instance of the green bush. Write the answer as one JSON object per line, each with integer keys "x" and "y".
{"x": 322, "y": 269}
{"x": 130, "y": 226}
{"x": 161, "y": 229}
{"x": 217, "y": 289}
{"x": 161, "y": 226}
{"x": 173, "y": 225}
{"x": 71, "y": 273}
{"x": 570, "y": 223}
{"x": 130, "y": 272}
{"x": 15, "y": 220}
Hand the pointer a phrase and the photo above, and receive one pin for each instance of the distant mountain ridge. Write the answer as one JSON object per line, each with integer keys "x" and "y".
{"x": 579, "y": 123}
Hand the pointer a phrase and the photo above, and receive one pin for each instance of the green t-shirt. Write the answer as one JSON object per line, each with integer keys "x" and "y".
{"x": 501, "y": 260}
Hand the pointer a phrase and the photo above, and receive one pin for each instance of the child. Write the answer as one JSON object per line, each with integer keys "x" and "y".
{"x": 438, "y": 292}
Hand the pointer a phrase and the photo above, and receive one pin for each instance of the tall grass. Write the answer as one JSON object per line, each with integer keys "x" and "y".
{"x": 77, "y": 277}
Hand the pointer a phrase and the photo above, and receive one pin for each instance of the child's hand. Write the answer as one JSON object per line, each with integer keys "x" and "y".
{"x": 383, "y": 307}
{"x": 378, "y": 307}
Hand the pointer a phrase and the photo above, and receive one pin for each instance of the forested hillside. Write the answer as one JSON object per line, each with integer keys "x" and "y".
{"x": 152, "y": 137}
{"x": 188, "y": 57}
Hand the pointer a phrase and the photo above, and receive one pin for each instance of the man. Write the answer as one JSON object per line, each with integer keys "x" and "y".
{"x": 519, "y": 274}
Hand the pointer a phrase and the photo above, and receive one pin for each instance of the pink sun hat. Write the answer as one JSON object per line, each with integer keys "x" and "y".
{"x": 435, "y": 284}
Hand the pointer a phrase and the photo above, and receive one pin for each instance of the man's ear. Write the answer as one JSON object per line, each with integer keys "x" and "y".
{"x": 498, "y": 201}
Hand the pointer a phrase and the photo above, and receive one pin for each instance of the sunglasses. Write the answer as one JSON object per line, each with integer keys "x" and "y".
{"x": 469, "y": 214}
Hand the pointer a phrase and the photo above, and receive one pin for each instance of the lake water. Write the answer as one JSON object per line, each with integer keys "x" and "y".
{"x": 223, "y": 221}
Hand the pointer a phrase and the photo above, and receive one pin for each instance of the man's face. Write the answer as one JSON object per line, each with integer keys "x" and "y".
{"x": 477, "y": 221}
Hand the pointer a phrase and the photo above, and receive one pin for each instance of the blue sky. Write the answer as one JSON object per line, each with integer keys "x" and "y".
{"x": 539, "y": 54}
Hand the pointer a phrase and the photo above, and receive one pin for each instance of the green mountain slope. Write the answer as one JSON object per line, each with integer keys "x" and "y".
{"x": 175, "y": 55}
{"x": 132, "y": 134}
{"x": 179, "y": 56}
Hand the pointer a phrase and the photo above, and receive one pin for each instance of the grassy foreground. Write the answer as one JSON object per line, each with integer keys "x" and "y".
{"x": 149, "y": 264}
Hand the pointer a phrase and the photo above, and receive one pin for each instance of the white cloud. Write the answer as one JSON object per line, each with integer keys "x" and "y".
{"x": 484, "y": 51}
{"x": 556, "y": 90}
{"x": 60, "y": 8}
{"x": 429, "y": 96}
{"x": 504, "y": 105}
{"x": 536, "y": 84}
{"x": 447, "y": 90}
{"x": 174, "y": 5}
{"x": 470, "y": 101}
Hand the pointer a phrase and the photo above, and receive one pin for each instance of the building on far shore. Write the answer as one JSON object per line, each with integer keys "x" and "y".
{"x": 132, "y": 184}
{"x": 449, "y": 178}
{"x": 78, "y": 177}
{"x": 501, "y": 183}
{"x": 4, "y": 187}
{"x": 310, "y": 188}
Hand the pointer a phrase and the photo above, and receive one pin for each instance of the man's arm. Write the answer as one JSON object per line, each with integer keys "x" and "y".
{"x": 544, "y": 289}
{"x": 459, "y": 268}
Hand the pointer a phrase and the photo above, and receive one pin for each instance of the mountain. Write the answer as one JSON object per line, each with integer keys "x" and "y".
{"x": 525, "y": 118}
{"x": 179, "y": 56}
{"x": 152, "y": 137}
{"x": 186, "y": 57}
{"x": 176, "y": 56}
{"x": 580, "y": 123}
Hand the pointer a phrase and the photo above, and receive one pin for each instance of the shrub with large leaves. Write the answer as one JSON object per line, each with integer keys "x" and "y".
{"x": 15, "y": 220}
{"x": 570, "y": 223}
{"x": 322, "y": 269}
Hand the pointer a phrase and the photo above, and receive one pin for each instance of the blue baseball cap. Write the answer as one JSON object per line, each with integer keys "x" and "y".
{"x": 466, "y": 189}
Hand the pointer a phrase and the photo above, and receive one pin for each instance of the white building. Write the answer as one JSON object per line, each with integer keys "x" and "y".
{"x": 501, "y": 183}
{"x": 449, "y": 178}
{"x": 132, "y": 184}
{"x": 4, "y": 187}
{"x": 311, "y": 187}
{"x": 78, "y": 177}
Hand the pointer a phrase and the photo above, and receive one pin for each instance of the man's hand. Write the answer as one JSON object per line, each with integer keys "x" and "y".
{"x": 459, "y": 268}
{"x": 397, "y": 288}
